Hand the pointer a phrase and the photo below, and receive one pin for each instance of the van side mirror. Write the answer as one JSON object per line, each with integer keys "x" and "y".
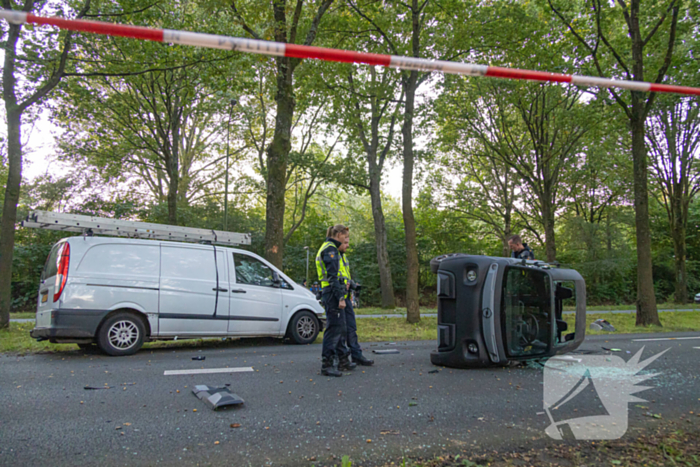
{"x": 276, "y": 280}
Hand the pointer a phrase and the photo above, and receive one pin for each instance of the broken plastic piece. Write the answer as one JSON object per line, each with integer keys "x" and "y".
{"x": 91, "y": 388}
{"x": 386, "y": 351}
{"x": 602, "y": 325}
{"x": 199, "y": 358}
{"x": 216, "y": 397}
{"x": 612, "y": 349}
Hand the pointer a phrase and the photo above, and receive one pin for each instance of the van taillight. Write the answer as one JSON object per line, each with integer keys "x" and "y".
{"x": 62, "y": 275}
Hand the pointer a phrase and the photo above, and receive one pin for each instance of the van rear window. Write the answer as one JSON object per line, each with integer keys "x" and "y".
{"x": 51, "y": 266}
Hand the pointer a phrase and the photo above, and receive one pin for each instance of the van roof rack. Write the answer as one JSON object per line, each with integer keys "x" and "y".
{"x": 88, "y": 225}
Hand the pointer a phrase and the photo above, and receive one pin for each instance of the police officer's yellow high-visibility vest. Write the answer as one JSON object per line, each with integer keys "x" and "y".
{"x": 344, "y": 267}
{"x": 320, "y": 267}
{"x": 344, "y": 271}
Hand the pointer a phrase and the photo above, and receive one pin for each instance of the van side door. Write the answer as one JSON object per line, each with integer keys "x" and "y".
{"x": 194, "y": 296}
{"x": 256, "y": 299}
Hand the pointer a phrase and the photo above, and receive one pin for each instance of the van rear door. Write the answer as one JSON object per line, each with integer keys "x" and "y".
{"x": 45, "y": 303}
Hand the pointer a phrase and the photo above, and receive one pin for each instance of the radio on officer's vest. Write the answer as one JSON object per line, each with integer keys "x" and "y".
{"x": 495, "y": 310}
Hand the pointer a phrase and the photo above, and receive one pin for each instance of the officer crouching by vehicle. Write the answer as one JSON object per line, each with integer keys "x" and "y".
{"x": 350, "y": 323}
{"x": 335, "y": 355}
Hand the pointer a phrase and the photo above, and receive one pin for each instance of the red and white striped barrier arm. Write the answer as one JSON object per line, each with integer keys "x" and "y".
{"x": 332, "y": 55}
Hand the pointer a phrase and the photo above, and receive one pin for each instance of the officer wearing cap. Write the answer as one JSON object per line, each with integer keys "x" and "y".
{"x": 335, "y": 356}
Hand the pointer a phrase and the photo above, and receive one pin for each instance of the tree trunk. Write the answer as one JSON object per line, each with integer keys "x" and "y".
{"x": 548, "y": 220}
{"x": 507, "y": 232}
{"x": 9, "y": 213}
{"x": 646, "y": 300}
{"x": 174, "y": 163}
{"x": 277, "y": 158}
{"x": 409, "y": 222}
{"x": 385, "y": 281}
{"x": 14, "y": 176}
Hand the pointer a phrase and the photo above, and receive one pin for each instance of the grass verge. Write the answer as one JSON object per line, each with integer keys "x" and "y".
{"x": 625, "y": 323}
{"x": 23, "y": 315}
{"x": 17, "y": 340}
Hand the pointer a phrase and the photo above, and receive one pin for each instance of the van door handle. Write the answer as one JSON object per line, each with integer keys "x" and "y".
{"x": 217, "y": 289}
{"x": 238, "y": 291}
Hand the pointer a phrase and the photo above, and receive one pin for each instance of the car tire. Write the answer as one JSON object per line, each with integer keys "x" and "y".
{"x": 121, "y": 334}
{"x": 304, "y": 328}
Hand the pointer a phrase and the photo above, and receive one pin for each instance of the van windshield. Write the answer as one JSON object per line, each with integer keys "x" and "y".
{"x": 51, "y": 266}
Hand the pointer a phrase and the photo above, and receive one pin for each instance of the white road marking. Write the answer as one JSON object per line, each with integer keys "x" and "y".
{"x": 207, "y": 371}
{"x": 696, "y": 348}
{"x": 666, "y": 339}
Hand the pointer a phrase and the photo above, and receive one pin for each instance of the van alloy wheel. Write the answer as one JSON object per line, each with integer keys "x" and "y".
{"x": 303, "y": 328}
{"x": 123, "y": 335}
{"x": 306, "y": 327}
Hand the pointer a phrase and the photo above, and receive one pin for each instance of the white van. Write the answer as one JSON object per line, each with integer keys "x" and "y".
{"x": 120, "y": 293}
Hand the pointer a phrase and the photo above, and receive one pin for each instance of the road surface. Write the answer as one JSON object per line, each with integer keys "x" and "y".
{"x": 292, "y": 415}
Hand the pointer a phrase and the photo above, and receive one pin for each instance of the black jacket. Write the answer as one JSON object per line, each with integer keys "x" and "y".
{"x": 525, "y": 253}
{"x": 331, "y": 260}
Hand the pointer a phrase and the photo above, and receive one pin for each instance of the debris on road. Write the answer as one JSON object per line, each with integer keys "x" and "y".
{"x": 199, "y": 358}
{"x": 602, "y": 325}
{"x": 94, "y": 388}
{"x": 434, "y": 371}
{"x": 216, "y": 397}
{"x": 388, "y": 351}
{"x": 612, "y": 349}
{"x": 235, "y": 425}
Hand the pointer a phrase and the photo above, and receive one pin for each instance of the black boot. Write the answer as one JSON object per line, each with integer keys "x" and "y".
{"x": 361, "y": 360}
{"x": 346, "y": 365}
{"x": 329, "y": 368}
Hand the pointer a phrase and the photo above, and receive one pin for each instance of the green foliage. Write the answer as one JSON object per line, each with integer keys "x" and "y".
{"x": 484, "y": 169}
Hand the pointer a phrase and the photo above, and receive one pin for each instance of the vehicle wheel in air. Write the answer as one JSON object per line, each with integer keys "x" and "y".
{"x": 121, "y": 334}
{"x": 304, "y": 327}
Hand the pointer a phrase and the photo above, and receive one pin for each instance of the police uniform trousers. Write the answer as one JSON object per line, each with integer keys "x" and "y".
{"x": 336, "y": 329}
{"x": 351, "y": 327}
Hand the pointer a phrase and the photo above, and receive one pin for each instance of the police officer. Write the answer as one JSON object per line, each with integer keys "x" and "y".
{"x": 520, "y": 250}
{"x": 351, "y": 326}
{"x": 335, "y": 356}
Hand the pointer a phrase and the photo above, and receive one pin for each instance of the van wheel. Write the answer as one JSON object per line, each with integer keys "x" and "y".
{"x": 121, "y": 334}
{"x": 304, "y": 327}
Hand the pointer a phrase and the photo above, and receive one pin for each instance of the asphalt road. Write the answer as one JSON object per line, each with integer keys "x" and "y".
{"x": 292, "y": 414}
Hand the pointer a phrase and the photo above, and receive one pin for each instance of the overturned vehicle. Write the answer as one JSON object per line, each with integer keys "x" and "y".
{"x": 492, "y": 311}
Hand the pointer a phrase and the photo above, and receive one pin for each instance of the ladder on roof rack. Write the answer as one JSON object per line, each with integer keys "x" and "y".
{"x": 131, "y": 229}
